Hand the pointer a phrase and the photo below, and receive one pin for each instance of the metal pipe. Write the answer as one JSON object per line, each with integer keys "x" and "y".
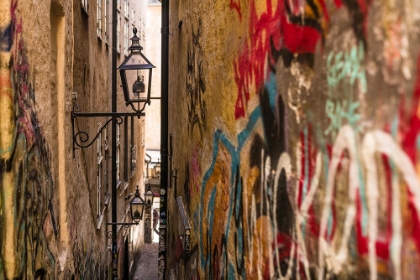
{"x": 150, "y": 158}
{"x": 122, "y": 224}
{"x": 147, "y": 165}
{"x": 106, "y": 114}
{"x": 164, "y": 139}
{"x": 114, "y": 141}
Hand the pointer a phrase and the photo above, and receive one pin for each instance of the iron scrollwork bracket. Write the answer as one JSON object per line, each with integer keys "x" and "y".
{"x": 81, "y": 138}
{"x": 138, "y": 110}
{"x": 111, "y": 235}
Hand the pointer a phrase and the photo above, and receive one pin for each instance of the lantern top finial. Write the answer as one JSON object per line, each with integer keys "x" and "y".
{"x": 135, "y": 42}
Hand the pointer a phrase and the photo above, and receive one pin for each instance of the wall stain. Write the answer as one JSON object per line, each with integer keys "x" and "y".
{"x": 195, "y": 84}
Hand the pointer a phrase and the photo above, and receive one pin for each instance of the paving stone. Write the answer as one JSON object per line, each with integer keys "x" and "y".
{"x": 147, "y": 266}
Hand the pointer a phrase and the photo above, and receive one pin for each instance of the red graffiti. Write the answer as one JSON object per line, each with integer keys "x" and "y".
{"x": 409, "y": 130}
{"x": 282, "y": 248}
{"x": 270, "y": 29}
{"x": 237, "y": 7}
{"x": 307, "y": 161}
{"x": 410, "y": 125}
{"x": 285, "y": 29}
{"x": 299, "y": 39}
{"x": 338, "y": 3}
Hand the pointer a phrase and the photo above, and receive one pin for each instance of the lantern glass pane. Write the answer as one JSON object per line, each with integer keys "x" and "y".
{"x": 135, "y": 59}
{"x": 149, "y": 200}
{"x": 137, "y": 212}
{"x": 148, "y": 196}
{"x": 157, "y": 169}
{"x": 137, "y": 207}
{"x": 138, "y": 84}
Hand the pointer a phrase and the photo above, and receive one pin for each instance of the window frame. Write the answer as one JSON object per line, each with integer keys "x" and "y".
{"x": 85, "y": 6}
{"x": 133, "y": 150}
{"x": 118, "y": 32}
{"x": 117, "y": 159}
{"x": 99, "y": 159}
{"x": 99, "y": 18}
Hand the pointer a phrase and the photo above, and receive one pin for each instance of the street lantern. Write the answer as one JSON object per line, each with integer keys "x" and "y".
{"x": 137, "y": 207}
{"x": 136, "y": 76}
{"x": 148, "y": 196}
{"x": 157, "y": 168}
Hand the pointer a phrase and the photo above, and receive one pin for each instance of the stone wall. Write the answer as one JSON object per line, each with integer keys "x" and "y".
{"x": 295, "y": 128}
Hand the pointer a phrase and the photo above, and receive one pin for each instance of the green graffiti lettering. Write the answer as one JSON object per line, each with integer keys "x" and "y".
{"x": 339, "y": 113}
{"x": 347, "y": 68}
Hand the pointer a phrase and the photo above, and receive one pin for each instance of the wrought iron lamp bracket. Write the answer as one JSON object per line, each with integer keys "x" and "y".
{"x": 110, "y": 234}
{"x": 81, "y": 138}
{"x": 138, "y": 110}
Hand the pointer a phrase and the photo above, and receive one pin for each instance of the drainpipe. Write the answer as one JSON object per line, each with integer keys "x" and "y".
{"x": 164, "y": 139}
{"x": 147, "y": 165}
{"x": 114, "y": 142}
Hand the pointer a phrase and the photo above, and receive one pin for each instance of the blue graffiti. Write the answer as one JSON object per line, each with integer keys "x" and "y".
{"x": 220, "y": 138}
{"x": 6, "y": 38}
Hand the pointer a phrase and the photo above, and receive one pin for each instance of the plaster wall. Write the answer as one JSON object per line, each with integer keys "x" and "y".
{"x": 295, "y": 126}
{"x": 153, "y": 52}
{"x": 36, "y": 79}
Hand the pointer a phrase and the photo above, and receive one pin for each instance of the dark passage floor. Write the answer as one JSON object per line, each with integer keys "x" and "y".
{"x": 147, "y": 266}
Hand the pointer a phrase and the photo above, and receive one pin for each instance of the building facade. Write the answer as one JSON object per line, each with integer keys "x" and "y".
{"x": 295, "y": 128}
{"x": 56, "y": 200}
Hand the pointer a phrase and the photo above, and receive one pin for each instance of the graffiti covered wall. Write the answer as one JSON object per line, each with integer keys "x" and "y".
{"x": 28, "y": 221}
{"x": 301, "y": 157}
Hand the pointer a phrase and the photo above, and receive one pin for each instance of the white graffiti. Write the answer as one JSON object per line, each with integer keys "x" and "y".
{"x": 361, "y": 160}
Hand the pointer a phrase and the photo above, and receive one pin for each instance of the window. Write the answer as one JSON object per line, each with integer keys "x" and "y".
{"x": 133, "y": 149}
{"x": 126, "y": 37}
{"x": 99, "y": 18}
{"x": 106, "y": 20}
{"x": 118, "y": 177}
{"x": 126, "y": 149}
{"x": 118, "y": 32}
{"x": 123, "y": 164}
{"x": 99, "y": 177}
{"x": 106, "y": 169}
{"x": 85, "y": 6}
{"x": 119, "y": 5}
{"x": 154, "y": 2}
{"x": 126, "y": 8}
{"x": 125, "y": 174}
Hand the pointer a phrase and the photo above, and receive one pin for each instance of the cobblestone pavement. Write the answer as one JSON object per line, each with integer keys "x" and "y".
{"x": 147, "y": 266}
